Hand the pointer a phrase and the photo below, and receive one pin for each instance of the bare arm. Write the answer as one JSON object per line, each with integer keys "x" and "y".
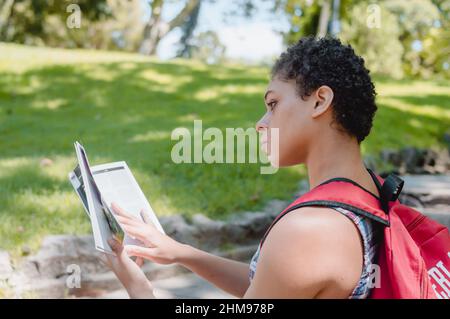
{"x": 228, "y": 275}
{"x": 313, "y": 254}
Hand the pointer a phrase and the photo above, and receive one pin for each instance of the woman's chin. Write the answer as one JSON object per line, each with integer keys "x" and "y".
{"x": 274, "y": 160}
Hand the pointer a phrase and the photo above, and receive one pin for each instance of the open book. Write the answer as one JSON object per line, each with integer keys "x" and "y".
{"x": 98, "y": 186}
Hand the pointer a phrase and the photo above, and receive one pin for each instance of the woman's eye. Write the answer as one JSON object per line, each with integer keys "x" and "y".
{"x": 272, "y": 105}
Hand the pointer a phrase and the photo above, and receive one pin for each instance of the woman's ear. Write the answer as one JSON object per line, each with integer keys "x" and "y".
{"x": 323, "y": 97}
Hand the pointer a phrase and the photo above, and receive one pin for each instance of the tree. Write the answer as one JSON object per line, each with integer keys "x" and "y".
{"x": 324, "y": 18}
{"x": 312, "y": 17}
{"x": 415, "y": 18}
{"x": 33, "y": 21}
{"x": 206, "y": 46}
{"x": 420, "y": 27}
{"x": 188, "y": 29}
{"x": 379, "y": 45}
{"x": 5, "y": 12}
{"x": 155, "y": 29}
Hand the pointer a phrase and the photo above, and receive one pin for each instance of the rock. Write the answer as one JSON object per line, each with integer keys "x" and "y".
{"x": 25, "y": 250}
{"x": 206, "y": 224}
{"x": 257, "y": 223}
{"x": 208, "y": 233}
{"x": 274, "y": 207}
{"x": 412, "y": 160}
{"x": 390, "y": 156}
{"x": 176, "y": 227}
{"x": 235, "y": 232}
{"x": 411, "y": 200}
{"x": 59, "y": 252}
{"x": 248, "y": 227}
{"x": 5, "y": 266}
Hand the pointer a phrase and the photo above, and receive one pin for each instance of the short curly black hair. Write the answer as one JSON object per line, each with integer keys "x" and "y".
{"x": 315, "y": 62}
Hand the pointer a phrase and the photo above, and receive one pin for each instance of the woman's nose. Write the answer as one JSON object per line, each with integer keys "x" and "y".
{"x": 263, "y": 123}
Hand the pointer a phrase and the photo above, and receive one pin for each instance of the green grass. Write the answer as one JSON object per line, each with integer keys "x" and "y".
{"x": 125, "y": 106}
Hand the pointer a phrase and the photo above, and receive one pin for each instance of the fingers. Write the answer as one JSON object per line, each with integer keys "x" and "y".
{"x": 138, "y": 251}
{"x": 115, "y": 245}
{"x": 121, "y": 212}
{"x": 137, "y": 228}
{"x": 127, "y": 220}
{"x": 135, "y": 232}
{"x": 139, "y": 261}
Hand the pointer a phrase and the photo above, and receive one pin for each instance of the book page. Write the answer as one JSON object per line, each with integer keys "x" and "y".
{"x": 117, "y": 184}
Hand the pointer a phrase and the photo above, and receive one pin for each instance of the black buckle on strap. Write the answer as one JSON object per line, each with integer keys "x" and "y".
{"x": 390, "y": 191}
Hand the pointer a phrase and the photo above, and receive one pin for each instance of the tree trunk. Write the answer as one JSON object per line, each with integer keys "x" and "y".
{"x": 188, "y": 32}
{"x": 151, "y": 29}
{"x": 5, "y": 13}
{"x": 156, "y": 29}
{"x": 324, "y": 19}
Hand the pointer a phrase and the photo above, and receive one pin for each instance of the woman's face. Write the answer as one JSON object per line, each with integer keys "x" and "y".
{"x": 291, "y": 116}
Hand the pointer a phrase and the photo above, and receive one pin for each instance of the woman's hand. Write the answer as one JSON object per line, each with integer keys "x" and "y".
{"x": 128, "y": 272}
{"x": 160, "y": 248}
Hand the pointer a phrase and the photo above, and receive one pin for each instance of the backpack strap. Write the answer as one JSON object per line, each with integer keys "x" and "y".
{"x": 390, "y": 191}
{"x": 349, "y": 195}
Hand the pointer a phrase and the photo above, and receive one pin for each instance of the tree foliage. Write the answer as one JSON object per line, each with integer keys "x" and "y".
{"x": 41, "y": 21}
{"x": 379, "y": 45}
{"x": 412, "y": 38}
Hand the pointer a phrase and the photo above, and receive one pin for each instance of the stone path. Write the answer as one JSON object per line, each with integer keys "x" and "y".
{"x": 430, "y": 194}
{"x": 179, "y": 287}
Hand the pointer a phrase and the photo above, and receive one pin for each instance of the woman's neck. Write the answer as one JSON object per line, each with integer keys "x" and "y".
{"x": 336, "y": 157}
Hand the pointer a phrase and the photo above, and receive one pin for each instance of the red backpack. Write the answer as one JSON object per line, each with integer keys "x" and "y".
{"x": 414, "y": 258}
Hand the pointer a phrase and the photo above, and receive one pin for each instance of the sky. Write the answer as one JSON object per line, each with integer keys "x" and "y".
{"x": 250, "y": 39}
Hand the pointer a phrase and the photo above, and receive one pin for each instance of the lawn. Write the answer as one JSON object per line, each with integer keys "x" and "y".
{"x": 125, "y": 106}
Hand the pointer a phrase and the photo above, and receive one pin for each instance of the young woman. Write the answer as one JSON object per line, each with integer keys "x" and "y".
{"x": 322, "y": 101}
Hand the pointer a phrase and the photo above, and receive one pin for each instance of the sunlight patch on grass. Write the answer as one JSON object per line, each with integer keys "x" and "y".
{"x": 21, "y": 58}
{"x": 424, "y": 109}
{"x": 212, "y": 93}
{"x": 29, "y": 216}
{"x": 416, "y": 88}
{"x": 150, "y": 136}
{"x": 124, "y": 107}
{"x": 51, "y": 104}
{"x": 164, "y": 79}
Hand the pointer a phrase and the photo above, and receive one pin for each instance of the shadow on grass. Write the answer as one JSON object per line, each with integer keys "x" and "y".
{"x": 31, "y": 203}
{"x": 127, "y": 111}
{"x": 394, "y": 127}
{"x": 441, "y": 101}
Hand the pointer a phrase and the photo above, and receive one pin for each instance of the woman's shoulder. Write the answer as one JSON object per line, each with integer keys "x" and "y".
{"x": 318, "y": 223}
{"x": 314, "y": 246}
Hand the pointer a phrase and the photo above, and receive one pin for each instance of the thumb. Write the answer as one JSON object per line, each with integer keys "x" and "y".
{"x": 115, "y": 245}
